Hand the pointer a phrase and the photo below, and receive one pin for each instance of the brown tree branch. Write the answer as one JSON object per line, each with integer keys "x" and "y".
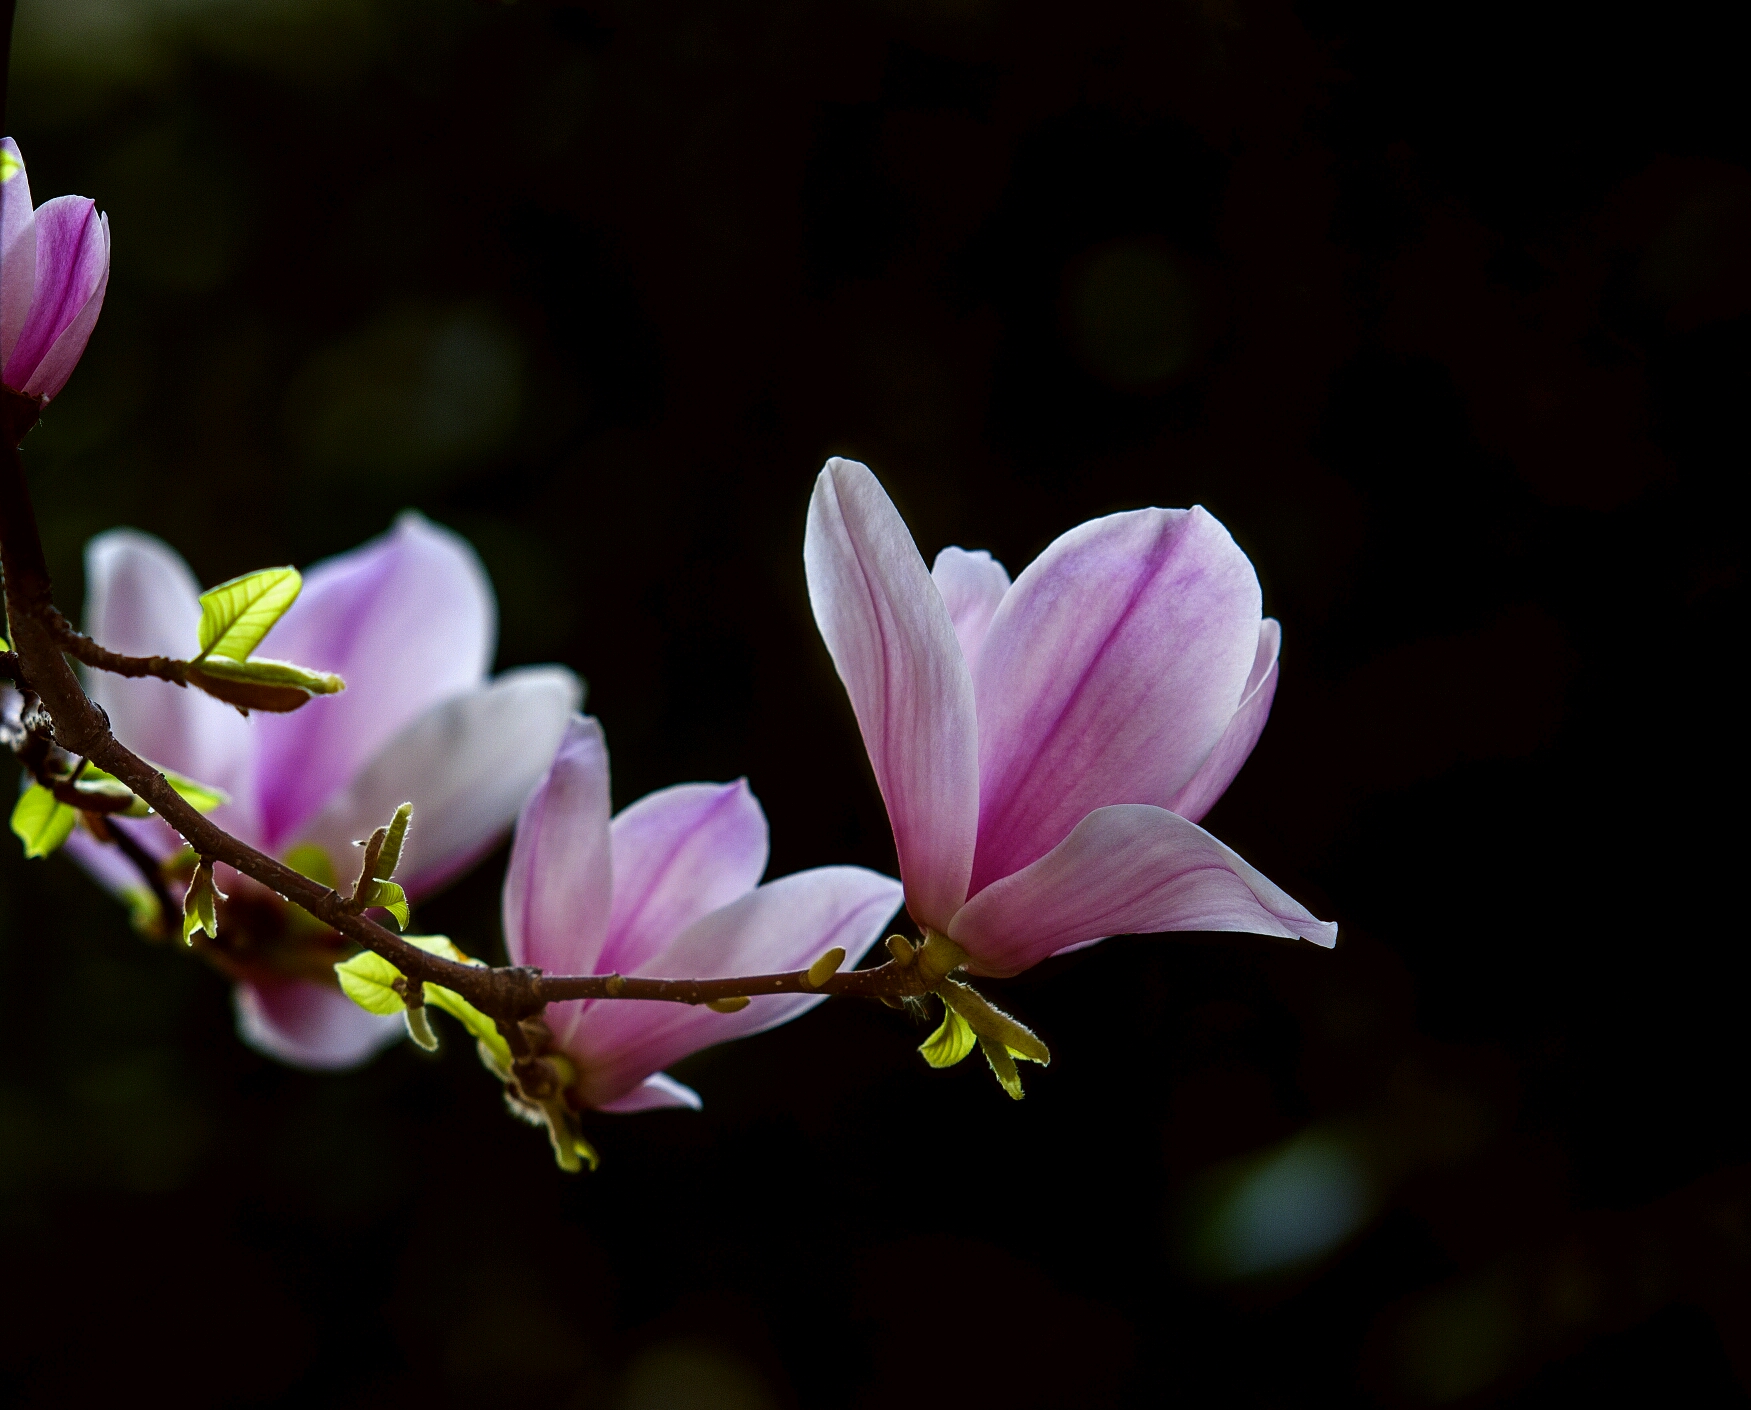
{"x": 507, "y": 994}
{"x": 88, "y": 652}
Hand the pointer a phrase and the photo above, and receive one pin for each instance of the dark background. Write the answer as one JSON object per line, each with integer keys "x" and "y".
{"x": 1443, "y": 311}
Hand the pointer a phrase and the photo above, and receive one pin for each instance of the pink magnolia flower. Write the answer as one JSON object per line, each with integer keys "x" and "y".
{"x": 1045, "y": 749}
{"x": 54, "y": 268}
{"x": 668, "y": 888}
{"x": 408, "y": 620}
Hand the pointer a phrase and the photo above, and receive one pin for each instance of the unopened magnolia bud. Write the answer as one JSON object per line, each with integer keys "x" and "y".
{"x": 901, "y": 949}
{"x": 734, "y": 1005}
{"x": 826, "y": 967}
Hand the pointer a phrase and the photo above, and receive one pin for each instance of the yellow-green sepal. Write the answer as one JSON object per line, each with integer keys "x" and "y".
{"x": 41, "y": 821}
{"x": 951, "y": 1042}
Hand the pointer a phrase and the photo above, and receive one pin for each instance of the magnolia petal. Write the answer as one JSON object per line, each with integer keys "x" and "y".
{"x": 72, "y": 272}
{"x": 17, "y": 251}
{"x": 783, "y": 925}
{"x": 56, "y": 367}
{"x": 656, "y": 1091}
{"x": 311, "y": 1025}
{"x": 467, "y": 765}
{"x": 889, "y": 633}
{"x": 1127, "y": 869}
{"x": 559, "y": 887}
{"x": 1110, "y": 672}
{"x": 1217, "y": 772}
{"x": 141, "y": 600}
{"x": 679, "y": 854}
{"x": 406, "y": 620}
{"x": 971, "y": 584}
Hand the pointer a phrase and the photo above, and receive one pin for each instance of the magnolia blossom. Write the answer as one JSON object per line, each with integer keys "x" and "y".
{"x": 54, "y": 267}
{"x": 667, "y": 888}
{"x": 409, "y": 622}
{"x": 1046, "y": 748}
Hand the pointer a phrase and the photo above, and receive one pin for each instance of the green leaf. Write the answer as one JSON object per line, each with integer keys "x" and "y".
{"x": 203, "y": 798}
{"x": 389, "y": 896}
{"x": 368, "y": 979}
{"x": 96, "y": 784}
{"x": 235, "y": 616}
{"x": 477, "y": 1023}
{"x": 1002, "y": 1062}
{"x": 951, "y": 1042}
{"x": 265, "y": 671}
{"x": 41, "y": 821}
{"x": 989, "y": 1021}
{"x": 307, "y": 859}
{"x": 199, "y": 909}
{"x": 390, "y": 854}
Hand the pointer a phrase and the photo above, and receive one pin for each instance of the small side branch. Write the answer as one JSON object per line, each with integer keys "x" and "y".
{"x": 90, "y": 653}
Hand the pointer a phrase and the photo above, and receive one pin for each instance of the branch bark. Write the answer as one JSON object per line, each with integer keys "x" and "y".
{"x": 508, "y": 994}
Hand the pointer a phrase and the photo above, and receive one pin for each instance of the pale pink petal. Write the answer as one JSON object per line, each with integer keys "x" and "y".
{"x": 890, "y": 636}
{"x": 467, "y": 765}
{"x": 972, "y": 584}
{"x": 72, "y": 272}
{"x": 784, "y": 925}
{"x": 407, "y": 620}
{"x": 1231, "y": 751}
{"x": 1110, "y": 672}
{"x": 655, "y": 1092}
{"x": 311, "y": 1025}
{"x": 17, "y": 252}
{"x": 559, "y": 887}
{"x": 679, "y": 854}
{"x": 141, "y": 600}
{"x": 1126, "y": 869}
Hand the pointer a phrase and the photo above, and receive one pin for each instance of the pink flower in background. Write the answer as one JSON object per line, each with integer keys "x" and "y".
{"x": 409, "y": 621}
{"x": 1045, "y": 749}
{"x": 668, "y": 888}
{"x": 54, "y": 268}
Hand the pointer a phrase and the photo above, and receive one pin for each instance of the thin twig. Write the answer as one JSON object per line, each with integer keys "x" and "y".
{"x": 509, "y": 994}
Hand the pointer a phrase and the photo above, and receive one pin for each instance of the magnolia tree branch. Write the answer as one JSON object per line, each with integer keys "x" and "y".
{"x": 508, "y": 994}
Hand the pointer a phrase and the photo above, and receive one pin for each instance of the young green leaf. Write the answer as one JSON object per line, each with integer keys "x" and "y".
{"x": 419, "y": 1028}
{"x": 951, "y": 1042}
{"x": 989, "y": 1021}
{"x": 308, "y": 859}
{"x": 389, "y": 896}
{"x": 368, "y": 980}
{"x": 235, "y": 616}
{"x": 261, "y": 683}
{"x": 390, "y": 854}
{"x": 199, "y": 908}
{"x": 1002, "y": 1062}
{"x": 101, "y": 787}
{"x": 41, "y": 821}
{"x": 201, "y": 797}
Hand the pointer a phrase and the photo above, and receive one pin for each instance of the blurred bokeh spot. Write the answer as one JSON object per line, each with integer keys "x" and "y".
{"x": 1131, "y": 314}
{"x": 1277, "y": 1211}
{"x": 1455, "y": 1343}
{"x": 691, "y": 1375}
